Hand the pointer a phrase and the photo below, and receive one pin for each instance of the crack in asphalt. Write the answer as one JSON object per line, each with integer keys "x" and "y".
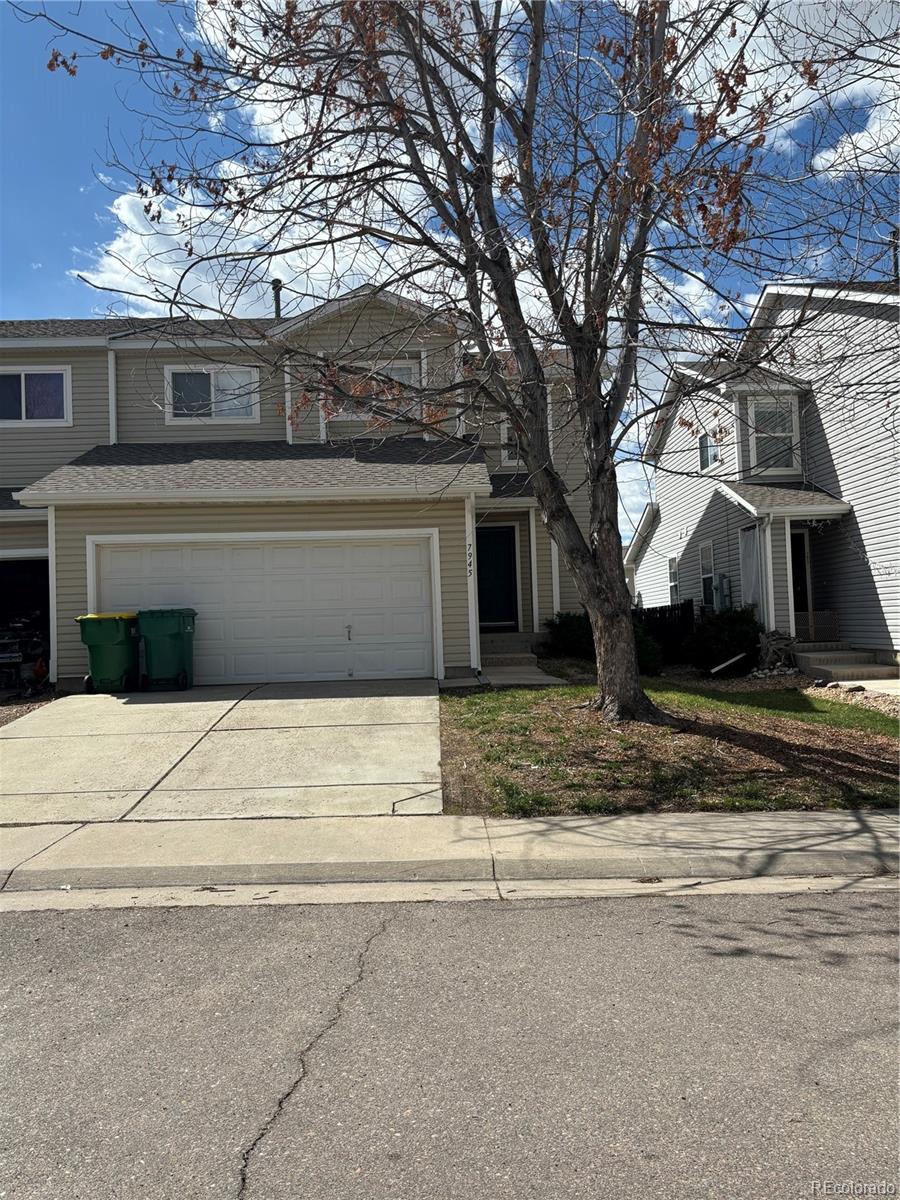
{"x": 338, "y": 1011}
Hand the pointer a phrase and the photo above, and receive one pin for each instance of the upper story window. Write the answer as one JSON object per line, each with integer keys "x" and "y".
{"x": 212, "y": 394}
{"x": 377, "y": 397}
{"x": 775, "y": 435}
{"x": 35, "y": 397}
{"x": 709, "y": 451}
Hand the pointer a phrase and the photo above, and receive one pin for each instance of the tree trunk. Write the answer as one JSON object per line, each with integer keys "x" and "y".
{"x": 619, "y": 693}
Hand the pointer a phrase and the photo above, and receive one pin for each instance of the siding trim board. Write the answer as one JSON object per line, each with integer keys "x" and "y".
{"x": 472, "y": 586}
{"x": 135, "y": 497}
{"x": 51, "y": 575}
{"x": 532, "y": 550}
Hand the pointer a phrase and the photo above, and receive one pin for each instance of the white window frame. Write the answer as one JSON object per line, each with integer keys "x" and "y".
{"x": 508, "y": 457}
{"x": 379, "y": 366}
{"x": 63, "y": 422}
{"x": 673, "y": 581}
{"x": 210, "y": 369}
{"x": 710, "y": 574}
{"x": 768, "y": 401}
{"x": 714, "y": 447}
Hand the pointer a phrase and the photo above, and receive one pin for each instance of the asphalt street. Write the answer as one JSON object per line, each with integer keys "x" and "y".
{"x": 667, "y": 1047}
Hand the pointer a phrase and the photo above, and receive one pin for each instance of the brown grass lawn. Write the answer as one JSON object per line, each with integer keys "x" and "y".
{"x": 539, "y": 752}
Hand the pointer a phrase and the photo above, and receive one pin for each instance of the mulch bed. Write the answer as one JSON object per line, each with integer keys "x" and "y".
{"x": 12, "y": 707}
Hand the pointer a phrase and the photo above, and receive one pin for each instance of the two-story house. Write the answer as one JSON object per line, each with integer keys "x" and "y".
{"x": 149, "y": 463}
{"x": 777, "y": 486}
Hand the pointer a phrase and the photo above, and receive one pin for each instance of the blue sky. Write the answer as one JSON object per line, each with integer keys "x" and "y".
{"x": 53, "y": 210}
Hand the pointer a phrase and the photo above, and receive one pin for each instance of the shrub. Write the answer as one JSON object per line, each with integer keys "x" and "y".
{"x": 570, "y": 637}
{"x": 649, "y": 653}
{"x": 720, "y": 636}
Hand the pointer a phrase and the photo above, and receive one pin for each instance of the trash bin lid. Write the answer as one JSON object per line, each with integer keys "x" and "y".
{"x": 124, "y": 616}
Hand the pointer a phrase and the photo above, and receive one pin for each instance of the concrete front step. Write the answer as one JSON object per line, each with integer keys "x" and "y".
{"x": 835, "y": 658}
{"x": 857, "y": 673}
{"x": 507, "y": 643}
{"x": 814, "y": 647}
{"x": 508, "y": 660}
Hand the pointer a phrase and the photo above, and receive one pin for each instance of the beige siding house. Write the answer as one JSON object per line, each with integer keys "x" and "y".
{"x": 779, "y": 487}
{"x": 185, "y": 463}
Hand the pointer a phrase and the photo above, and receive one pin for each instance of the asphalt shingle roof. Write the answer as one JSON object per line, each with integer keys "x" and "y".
{"x": 506, "y": 486}
{"x": 764, "y": 498}
{"x": 232, "y": 468}
{"x": 113, "y": 327}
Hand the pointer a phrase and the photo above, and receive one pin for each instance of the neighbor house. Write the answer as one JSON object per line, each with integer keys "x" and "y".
{"x": 149, "y": 462}
{"x": 777, "y": 486}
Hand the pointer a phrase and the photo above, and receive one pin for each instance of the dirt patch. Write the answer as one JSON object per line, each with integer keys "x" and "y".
{"x": 535, "y": 753}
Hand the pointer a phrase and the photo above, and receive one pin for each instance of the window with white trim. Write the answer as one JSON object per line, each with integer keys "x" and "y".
{"x": 212, "y": 394}
{"x": 35, "y": 396}
{"x": 707, "y": 576}
{"x": 673, "y": 580}
{"x": 775, "y": 435}
{"x": 377, "y": 398}
{"x": 709, "y": 451}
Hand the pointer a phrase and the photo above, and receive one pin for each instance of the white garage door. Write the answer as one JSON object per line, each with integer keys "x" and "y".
{"x": 270, "y": 611}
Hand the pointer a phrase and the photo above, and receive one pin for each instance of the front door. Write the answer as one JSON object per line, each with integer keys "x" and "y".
{"x": 498, "y": 593}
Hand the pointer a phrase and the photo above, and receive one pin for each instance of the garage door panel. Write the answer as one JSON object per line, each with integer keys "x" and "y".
{"x": 247, "y": 558}
{"x": 278, "y": 610}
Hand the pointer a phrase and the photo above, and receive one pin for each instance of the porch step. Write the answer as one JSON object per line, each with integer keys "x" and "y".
{"x": 837, "y": 658}
{"x": 507, "y": 643}
{"x": 863, "y": 673}
{"x": 812, "y": 647}
{"x": 508, "y": 660}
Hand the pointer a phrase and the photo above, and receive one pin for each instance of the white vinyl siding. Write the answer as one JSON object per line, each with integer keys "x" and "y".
{"x": 849, "y": 352}
{"x": 692, "y": 512}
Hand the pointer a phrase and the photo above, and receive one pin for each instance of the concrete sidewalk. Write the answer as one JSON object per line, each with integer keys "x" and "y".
{"x": 444, "y": 848}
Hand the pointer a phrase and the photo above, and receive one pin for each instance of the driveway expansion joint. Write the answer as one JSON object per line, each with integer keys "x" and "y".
{"x": 189, "y": 750}
{"x": 287, "y": 1095}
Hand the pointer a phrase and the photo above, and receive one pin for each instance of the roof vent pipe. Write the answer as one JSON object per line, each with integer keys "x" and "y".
{"x": 277, "y": 285}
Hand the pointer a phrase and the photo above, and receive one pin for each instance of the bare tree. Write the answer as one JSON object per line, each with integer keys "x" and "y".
{"x": 582, "y": 191}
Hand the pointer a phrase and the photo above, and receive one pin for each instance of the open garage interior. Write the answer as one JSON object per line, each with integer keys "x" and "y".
{"x": 24, "y": 592}
{"x": 24, "y": 621}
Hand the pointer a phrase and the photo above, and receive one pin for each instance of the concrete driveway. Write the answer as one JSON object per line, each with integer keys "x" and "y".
{"x": 276, "y": 750}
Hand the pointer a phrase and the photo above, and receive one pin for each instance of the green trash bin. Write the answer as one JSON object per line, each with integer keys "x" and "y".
{"x": 168, "y": 635}
{"x": 113, "y": 651}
